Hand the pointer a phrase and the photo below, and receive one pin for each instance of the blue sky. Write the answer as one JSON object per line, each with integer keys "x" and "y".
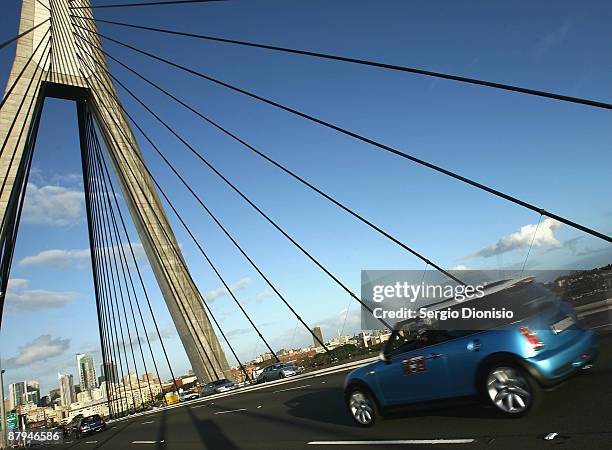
{"x": 552, "y": 154}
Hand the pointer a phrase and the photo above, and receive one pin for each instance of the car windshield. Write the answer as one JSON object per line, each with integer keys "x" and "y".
{"x": 89, "y": 420}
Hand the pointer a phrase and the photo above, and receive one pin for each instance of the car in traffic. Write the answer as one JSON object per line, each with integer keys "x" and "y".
{"x": 278, "y": 371}
{"x": 506, "y": 363}
{"x": 218, "y": 386}
{"x": 190, "y": 395}
{"x": 90, "y": 424}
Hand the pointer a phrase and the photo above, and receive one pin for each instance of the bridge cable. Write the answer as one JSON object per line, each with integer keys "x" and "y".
{"x": 20, "y": 35}
{"x": 84, "y": 139}
{"x": 16, "y": 200}
{"x": 20, "y": 107}
{"x": 289, "y": 172}
{"x": 242, "y": 195}
{"x": 161, "y": 3}
{"x": 25, "y": 66}
{"x": 393, "y": 67}
{"x": 105, "y": 174}
{"x": 104, "y": 193}
{"x": 122, "y": 394}
{"x": 374, "y": 143}
{"x": 112, "y": 301}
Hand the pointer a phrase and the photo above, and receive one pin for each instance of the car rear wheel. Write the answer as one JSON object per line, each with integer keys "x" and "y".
{"x": 362, "y": 407}
{"x": 511, "y": 390}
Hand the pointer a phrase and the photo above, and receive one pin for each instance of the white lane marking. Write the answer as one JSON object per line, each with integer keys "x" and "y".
{"x": 259, "y": 406}
{"x": 230, "y": 411}
{"x": 323, "y": 382}
{"x": 91, "y": 442}
{"x": 150, "y": 421}
{"x": 199, "y": 406}
{"x": 396, "y": 442}
{"x": 550, "y": 436}
{"x": 291, "y": 389}
{"x": 145, "y": 442}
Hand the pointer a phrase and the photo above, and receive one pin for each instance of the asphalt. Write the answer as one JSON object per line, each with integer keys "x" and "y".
{"x": 309, "y": 413}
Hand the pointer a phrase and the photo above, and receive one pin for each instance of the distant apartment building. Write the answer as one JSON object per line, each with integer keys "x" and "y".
{"x": 130, "y": 379}
{"x": 32, "y": 392}
{"x": 149, "y": 377}
{"x": 66, "y": 386}
{"x": 319, "y": 334}
{"x": 87, "y": 372}
{"x": 16, "y": 394}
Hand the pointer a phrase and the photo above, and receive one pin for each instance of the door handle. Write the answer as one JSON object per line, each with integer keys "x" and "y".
{"x": 435, "y": 356}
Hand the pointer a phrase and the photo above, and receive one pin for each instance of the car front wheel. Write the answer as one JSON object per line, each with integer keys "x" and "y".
{"x": 511, "y": 390}
{"x": 362, "y": 407}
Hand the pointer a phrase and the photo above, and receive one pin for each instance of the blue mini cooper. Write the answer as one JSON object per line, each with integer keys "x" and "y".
{"x": 505, "y": 363}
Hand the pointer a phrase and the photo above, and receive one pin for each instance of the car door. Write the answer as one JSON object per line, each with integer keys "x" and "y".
{"x": 269, "y": 373}
{"x": 414, "y": 373}
{"x": 464, "y": 355}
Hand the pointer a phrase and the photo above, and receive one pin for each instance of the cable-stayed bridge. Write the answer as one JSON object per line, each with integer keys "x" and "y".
{"x": 61, "y": 54}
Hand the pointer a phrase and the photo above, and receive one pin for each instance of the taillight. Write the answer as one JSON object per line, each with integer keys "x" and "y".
{"x": 532, "y": 338}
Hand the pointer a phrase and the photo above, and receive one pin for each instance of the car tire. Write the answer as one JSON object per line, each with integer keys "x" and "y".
{"x": 281, "y": 375}
{"x": 511, "y": 390}
{"x": 362, "y": 406}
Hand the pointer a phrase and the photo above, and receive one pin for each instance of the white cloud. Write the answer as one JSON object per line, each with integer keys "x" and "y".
{"x": 545, "y": 237}
{"x": 56, "y": 258}
{"x": 17, "y": 283}
{"x": 61, "y": 259}
{"x": 40, "y": 349}
{"x": 18, "y": 299}
{"x": 53, "y": 205}
{"x": 460, "y": 267}
{"x": 243, "y": 283}
{"x": 264, "y": 295}
{"x": 553, "y": 38}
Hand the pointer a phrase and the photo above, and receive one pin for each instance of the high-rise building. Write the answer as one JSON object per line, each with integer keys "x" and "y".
{"x": 16, "y": 394}
{"x": 317, "y": 332}
{"x": 130, "y": 379}
{"x": 66, "y": 386}
{"x": 32, "y": 392}
{"x": 109, "y": 372}
{"x": 87, "y": 372}
{"x": 149, "y": 377}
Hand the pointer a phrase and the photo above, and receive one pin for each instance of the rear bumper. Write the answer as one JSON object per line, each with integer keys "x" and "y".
{"x": 552, "y": 369}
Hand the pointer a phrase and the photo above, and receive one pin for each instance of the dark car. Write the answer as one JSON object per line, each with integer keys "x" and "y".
{"x": 507, "y": 365}
{"x": 278, "y": 371}
{"x": 218, "y": 386}
{"x": 90, "y": 424}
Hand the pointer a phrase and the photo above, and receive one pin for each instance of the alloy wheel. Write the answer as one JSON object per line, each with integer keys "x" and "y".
{"x": 361, "y": 408}
{"x": 509, "y": 390}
